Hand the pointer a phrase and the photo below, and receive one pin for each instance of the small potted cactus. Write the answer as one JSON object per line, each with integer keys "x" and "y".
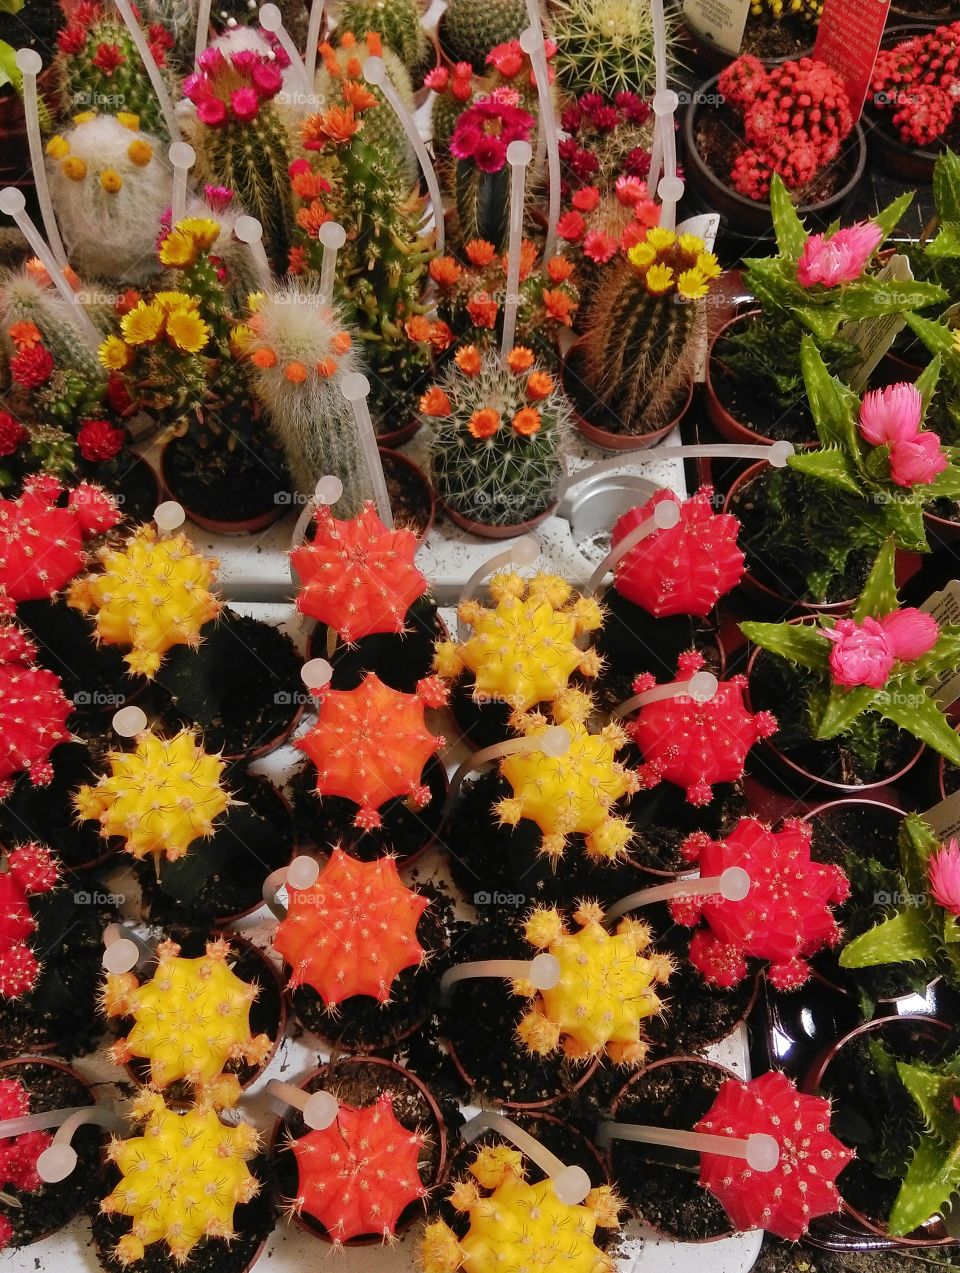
{"x": 606, "y": 46}
{"x": 606, "y": 138}
{"x": 775, "y": 30}
{"x": 468, "y": 30}
{"x": 912, "y": 105}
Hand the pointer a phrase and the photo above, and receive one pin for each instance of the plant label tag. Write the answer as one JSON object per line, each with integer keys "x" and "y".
{"x": 945, "y": 608}
{"x": 874, "y": 336}
{"x": 720, "y": 22}
{"x": 704, "y": 226}
{"x": 944, "y": 818}
{"x": 848, "y": 39}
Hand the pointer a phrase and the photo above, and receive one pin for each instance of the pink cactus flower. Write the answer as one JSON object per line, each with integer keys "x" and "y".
{"x": 630, "y": 191}
{"x": 861, "y": 653}
{"x": 839, "y": 259}
{"x": 891, "y": 414}
{"x": 599, "y": 246}
{"x": 211, "y": 111}
{"x": 916, "y": 461}
{"x": 245, "y": 103}
{"x": 436, "y": 79}
{"x": 944, "y": 875}
{"x": 910, "y": 633}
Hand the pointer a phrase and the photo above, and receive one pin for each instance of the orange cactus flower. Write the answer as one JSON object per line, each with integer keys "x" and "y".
{"x": 330, "y": 61}
{"x": 356, "y": 94}
{"x": 374, "y": 44}
{"x": 483, "y": 310}
{"x": 340, "y": 343}
{"x": 296, "y": 260}
{"x": 295, "y": 372}
{"x": 559, "y": 305}
{"x": 520, "y": 359}
{"x": 264, "y": 359}
{"x": 435, "y": 403}
{"x": 479, "y": 252}
{"x": 326, "y": 367}
{"x": 444, "y": 270}
{"x": 25, "y": 335}
{"x": 468, "y": 360}
{"x": 418, "y": 328}
{"x": 312, "y": 218}
{"x": 540, "y": 385}
{"x": 559, "y": 268}
{"x": 484, "y": 423}
{"x": 337, "y": 124}
{"x": 528, "y": 258}
{"x": 527, "y": 422}
{"x": 128, "y": 300}
{"x": 441, "y": 337}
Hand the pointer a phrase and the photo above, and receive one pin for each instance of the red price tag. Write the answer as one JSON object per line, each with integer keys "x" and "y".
{"x": 848, "y": 39}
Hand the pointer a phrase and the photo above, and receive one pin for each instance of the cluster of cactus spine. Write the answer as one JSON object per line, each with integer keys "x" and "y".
{"x": 151, "y": 594}
{"x": 158, "y": 798}
{"x": 191, "y": 1019}
{"x": 359, "y": 1175}
{"x": 517, "y": 1221}
{"x": 524, "y": 649}
{"x": 499, "y": 433}
{"x": 917, "y": 83}
{"x": 33, "y": 712}
{"x": 471, "y": 28}
{"x": 606, "y": 46}
{"x": 25, "y": 871}
{"x": 398, "y": 24}
{"x": 181, "y": 1178}
{"x": 18, "y": 1154}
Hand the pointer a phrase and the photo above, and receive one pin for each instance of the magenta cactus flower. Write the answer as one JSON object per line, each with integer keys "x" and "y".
{"x": 485, "y": 130}
{"x": 917, "y": 460}
{"x": 944, "y": 875}
{"x": 864, "y": 653}
{"x": 892, "y": 414}
{"x": 841, "y": 258}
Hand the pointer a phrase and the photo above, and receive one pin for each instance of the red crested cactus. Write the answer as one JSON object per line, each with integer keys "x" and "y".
{"x": 358, "y": 577}
{"x": 41, "y": 542}
{"x": 370, "y": 744}
{"x": 785, "y": 917}
{"x": 18, "y": 1154}
{"x": 801, "y": 1186}
{"x": 684, "y": 569}
{"x": 696, "y": 744}
{"x": 359, "y": 1174}
{"x": 353, "y": 931}
{"x": 917, "y": 83}
{"x": 29, "y": 869}
{"x": 33, "y": 712}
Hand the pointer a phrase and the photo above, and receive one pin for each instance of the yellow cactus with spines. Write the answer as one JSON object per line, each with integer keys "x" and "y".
{"x": 181, "y": 1179}
{"x": 573, "y": 793}
{"x": 158, "y": 798}
{"x": 523, "y": 649}
{"x": 151, "y": 594}
{"x": 605, "y": 991}
{"x": 190, "y": 1019}
{"x": 519, "y": 1226}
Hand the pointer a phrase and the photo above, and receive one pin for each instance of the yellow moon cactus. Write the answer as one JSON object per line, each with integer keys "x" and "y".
{"x": 605, "y": 990}
{"x": 181, "y": 1180}
{"x": 151, "y": 594}
{"x": 158, "y": 798}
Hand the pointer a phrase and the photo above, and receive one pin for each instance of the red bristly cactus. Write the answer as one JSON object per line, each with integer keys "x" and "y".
{"x": 353, "y": 931}
{"x": 696, "y": 744}
{"x": 359, "y": 1174}
{"x": 33, "y": 712}
{"x": 41, "y": 543}
{"x": 18, "y": 1154}
{"x": 684, "y": 569}
{"x": 784, "y": 918}
{"x": 29, "y": 869}
{"x": 358, "y": 577}
{"x": 919, "y": 82}
{"x": 801, "y": 1186}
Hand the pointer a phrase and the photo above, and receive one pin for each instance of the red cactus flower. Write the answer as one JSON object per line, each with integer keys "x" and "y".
{"x": 485, "y": 130}
{"x": 31, "y": 366}
{"x": 99, "y": 440}
{"x": 108, "y": 58}
{"x": 12, "y": 433}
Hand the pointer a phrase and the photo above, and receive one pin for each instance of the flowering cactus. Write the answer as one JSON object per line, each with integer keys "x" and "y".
{"x": 357, "y": 576}
{"x": 605, "y": 139}
{"x": 33, "y": 712}
{"x": 370, "y": 744}
{"x": 841, "y": 257}
{"x": 785, "y": 918}
{"x": 190, "y": 1020}
{"x": 152, "y": 593}
{"x": 182, "y": 1178}
{"x": 598, "y": 224}
{"x": 18, "y": 1154}
{"x": 916, "y": 84}
{"x": 605, "y": 991}
{"x": 516, "y": 1219}
{"x": 29, "y": 869}
{"x": 158, "y": 798}
{"x": 685, "y": 569}
{"x": 523, "y": 650}
{"x": 358, "y": 1175}
{"x": 353, "y": 931}
{"x": 696, "y": 744}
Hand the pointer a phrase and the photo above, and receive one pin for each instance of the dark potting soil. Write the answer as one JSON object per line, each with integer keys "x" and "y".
{"x": 253, "y": 485}
{"x": 663, "y": 1183}
{"x": 241, "y": 687}
{"x": 410, "y": 497}
{"x": 943, "y": 10}
{"x": 695, "y": 1015}
{"x": 769, "y": 38}
{"x": 948, "y": 509}
{"x": 361, "y": 1023}
{"x": 747, "y": 407}
{"x": 34, "y": 27}
{"x": 223, "y": 877}
{"x": 130, "y": 479}
{"x": 360, "y": 1083}
{"x": 951, "y": 778}
{"x": 591, "y": 408}
{"x": 481, "y": 724}
{"x": 324, "y": 821}
{"x": 400, "y": 660}
{"x": 94, "y": 677}
{"x": 50, "y": 1207}
{"x": 663, "y": 818}
{"x": 46, "y": 813}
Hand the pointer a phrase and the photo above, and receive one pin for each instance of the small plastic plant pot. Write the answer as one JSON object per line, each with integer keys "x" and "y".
{"x": 908, "y": 164}
{"x": 929, "y": 1032}
{"x": 218, "y": 526}
{"x": 726, "y": 424}
{"x": 941, "y": 531}
{"x": 484, "y": 530}
{"x": 704, "y": 56}
{"x": 370, "y": 1076}
{"x": 622, "y": 1154}
{"x": 586, "y": 1073}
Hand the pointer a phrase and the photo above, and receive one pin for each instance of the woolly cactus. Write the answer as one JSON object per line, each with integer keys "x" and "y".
{"x": 398, "y": 24}
{"x": 785, "y": 918}
{"x": 181, "y": 1180}
{"x": 18, "y": 1154}
{"x": 191, "y": 1019}
{"x": 27, "y": 870}
{"x": 358, "y": 1175}
{"x": 471, "y": 28}
{"x": 151, "y": 594}
{"x": 27, "y": 295}
{"x": 685, "y": 569}
{"x": 696, "y": 744}
{"x": 605, "y": 991}
{"x": 370, "y": 745}
{"x": 574, "y": 793}
{"x": 158, "y": 798}
{"x": 500, "y": 430}
{"x": 516, "y": 1218}
{"x": 357, "y": 576}
{"x": 353, "y": 931}
{"x": 33, "y": 712}
{"x": 606, "y": 46}
{"x": 916, "y": 84}
{"x": 524, "y": 649}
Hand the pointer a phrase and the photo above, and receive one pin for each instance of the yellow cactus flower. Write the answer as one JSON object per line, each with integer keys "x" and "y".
{"x": 204, "y": 231}
{"x": 641, "y": 255}
{"x": 175, "y": 300}
{"x": 660, "y": 238}
{"x": 187, "y": 330}
{"x": 74, "y": 168}
{"x": 111, "y": 181}
{"x": 691, "y": 244}
{"x": 114, "y": 354}
{"x": 691, "y": 285}
{"x": 128, "y": 119}
{"x": 142, "y": 324}
{"x": 178, "y": 250}
{"x": 708, "y": 265}
{"x": 659, "y": 279}
{"x": 58, "y": 147}
{"x": 241, "y": 339}
{"x": 140, "y": 152}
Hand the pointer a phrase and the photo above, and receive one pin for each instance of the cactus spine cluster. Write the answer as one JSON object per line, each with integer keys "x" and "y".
{"x": 471, "y": 28}
{"x": 18, "y": 1154}
{"x": 33, "y": 712}
{"x": 398, "y": 24}
{"x": 606, "y": 46}
{"x": 25, "y": 871}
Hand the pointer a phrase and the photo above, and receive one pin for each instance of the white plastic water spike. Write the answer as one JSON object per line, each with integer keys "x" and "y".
{"x": 150, "y": 66}
{"x": 732, "y": 884}
{"x": 665, "y": 516}
{"x": 203, "y": 29}
{"x": 553, "y": 742}
{"x": 182, "y": 156}
{"x": 316, "y": 674}
{"x": 169, "y": 516}
{"x": 30, "y": 64}
{"x": 531, "y": 42}
{"x": 355, "y": 388}
{"x": 518, "y": 156}
{"x": 123, "y": 950}
{"x": 332, "y": 237}
{"x": 301, "y": 873}
{"x": 670, "y": 186}
{"x": 760, "y": 1151}
{"x": 129, "y": 721}
{"x": 271, "y": 20}
{"x": 775, "y": 453}
{"x": 543, "y": 972}
{"x": 313, "y": 40}
{"x": 249, "y": 230}
{"x": 319, "y": 1109}
{"x": 60, "y": 1158}
{"x": 701, "y": 687}
{"x": 328, "y": 490}
{"x": 570, "y": 1183}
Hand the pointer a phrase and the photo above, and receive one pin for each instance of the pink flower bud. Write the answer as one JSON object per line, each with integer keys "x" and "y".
{"x": 944, "y": 875}
{"x": 839, "y": 259}
{"x": 916, "y": 461}
{"x": 891, "y": 414}
{"x": 910, "y": 633}
{"x": 861, "y": 653}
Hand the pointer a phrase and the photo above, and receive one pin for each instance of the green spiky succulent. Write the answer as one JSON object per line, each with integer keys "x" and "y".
{"x": 398, "y": 24}
{"x": 471, "y": 28}
{"x": 606, "y": 46}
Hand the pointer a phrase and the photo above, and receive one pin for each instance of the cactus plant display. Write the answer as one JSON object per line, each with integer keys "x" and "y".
{"x": 398, "y": 24}
{"x": 809, "y": 10}
{"x": 471, "y": 29}
{"x": 595, "y": 225}
{"x": 18, "y": 1154}
{"x": 914, "y": 85}
{"x": 27, "y": 870}
{"x": 606, "y": 46}
{"x": 606, "y": 138}
{"x": 33, "y": 712}
{"x": 479, "y": 142}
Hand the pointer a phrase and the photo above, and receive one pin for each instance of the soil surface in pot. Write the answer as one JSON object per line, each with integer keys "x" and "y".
{"x": 695, "y": 1015}
{"x": 93, "y": 676}
{"x": 399, "y": 659}
{"x": 663, "y": 1183}
{"x": 35, "y": 27}
{"x": 46, "y": 813}
{"x": 410, "y": 497}
{"x": 223, "y": 876}
{"x": 51, "y": 1206}
{"x": 596, "y": 412}
{"x": 769, "y": 38}
{"x": 753, "y": 411}
{"x": 252, "y": 486}
{"x": 241, "y": 687}
{"x": 129, "y": 478}
{"x": 323, "y": 821}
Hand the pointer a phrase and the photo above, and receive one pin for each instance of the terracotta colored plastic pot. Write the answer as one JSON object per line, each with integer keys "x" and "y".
{"x": 909, "y": 164}
{"x": 606, "y": 439}
{"x": 484, "y": 531}
{"x": 218, "y": 526}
